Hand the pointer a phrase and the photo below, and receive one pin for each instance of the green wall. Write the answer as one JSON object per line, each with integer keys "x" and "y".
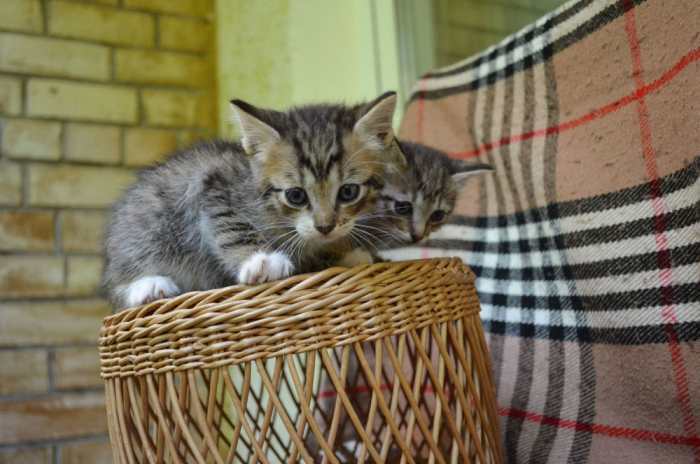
{"x": 277, "y": 53}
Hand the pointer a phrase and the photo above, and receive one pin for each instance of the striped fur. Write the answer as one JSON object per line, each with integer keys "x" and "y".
{"x": 201, "y": 218}
{"x": 430, "y": 181}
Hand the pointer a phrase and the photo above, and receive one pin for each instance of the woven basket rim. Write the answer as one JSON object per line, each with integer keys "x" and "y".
{"x": 129, "y": 313}
{"x": 332, "y": 307}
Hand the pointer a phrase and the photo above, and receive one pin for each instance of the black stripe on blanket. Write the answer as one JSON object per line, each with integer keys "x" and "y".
{"x": 603, "y": 18}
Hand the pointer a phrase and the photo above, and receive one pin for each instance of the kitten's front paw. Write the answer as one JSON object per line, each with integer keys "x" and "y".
{"x": 264, "y": 267}
{"x": 149, "y": 288}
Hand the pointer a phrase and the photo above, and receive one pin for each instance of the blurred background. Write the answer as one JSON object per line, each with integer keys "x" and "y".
{"x": 92, "y": 90}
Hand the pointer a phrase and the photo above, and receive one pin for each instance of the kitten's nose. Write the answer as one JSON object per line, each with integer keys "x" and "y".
{"x": 415, "y": 237}
{"x": 325, "y": 230}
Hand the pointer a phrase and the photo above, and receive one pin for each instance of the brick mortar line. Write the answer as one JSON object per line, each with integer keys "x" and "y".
{"x": 58, "y": 232}
{"x": 104, "y": 124}
{"x": 23, "y": 94}
{"x": 44, "y": 7}
{"x": 24, "y": 188}
{"x": 205, "y": 18}
{"x": 121, "y": 7}
{"x": 124, "y": 85}
{"x": 81, "y": 163}
{"x": 50, "y": 254}
{"x": 122, "y": 134}
{"x": 76, "y": 163}
{"x": 110, "y": 45}
{"x": 65, "y": 296}
{"x": 50, "y": 374}
{"x": 62, "y": 141}
{"x": 34, "y": 444}
{"x": 51, "y": 394}
{"x": 49, "y": 347}
{"x": 77, "y": 209}
{"x": 64, "y": 299}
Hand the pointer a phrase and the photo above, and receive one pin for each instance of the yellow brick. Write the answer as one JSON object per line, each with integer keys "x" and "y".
{"x": 185, "y": 7}
{"x": 77, "y": 368}
{"x": 26, "y": 138}
{"x": 82, "y": 230}
{"x": 177, "y": 109}
{"x": 20, "y": 15}
{"x": 25, "y": 456}
{"x": 84, "y": 452}
{"x": 104, "y": 24}
{"x": 184, "y": 34}
{"x": 23, "y": 276}
{"x": 10, "y": 95}
{"x": 53, "y": 57}
{"x": 10, "y": 183}
{"x": 26, "y": 231}
{"x": 146, "y": 146}
{"x": 24, "y": 371}
{"x": 64, "y": 185}
{"x": 72, "y": 100}
{"x": 54, "y": 323}
{"x": 93, "y": 142}
{"x": 153, "y": 67}
{"x": 56, "y": 417}
{"x": 84, "y": 275}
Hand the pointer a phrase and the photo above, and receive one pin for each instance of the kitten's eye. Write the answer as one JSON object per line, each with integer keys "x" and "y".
{"x": 296, "y": 196}
{"x": 348, "y": 193}
{"x": 404, "y": 208}
{"x": 438, "y": 216}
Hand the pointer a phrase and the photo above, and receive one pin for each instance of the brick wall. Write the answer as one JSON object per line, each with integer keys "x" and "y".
{"x": 89, "y": 91}
{"x": 465, "y": 27}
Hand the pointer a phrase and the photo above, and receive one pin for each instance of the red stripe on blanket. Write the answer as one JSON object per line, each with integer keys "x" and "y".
{"x": 601, "y": 429}
{"x": 668, "y": 311}
{"x": 598, "y": 113}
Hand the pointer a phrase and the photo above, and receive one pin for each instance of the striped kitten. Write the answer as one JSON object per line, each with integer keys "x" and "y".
{"x": 418, "y": 198}
{"x": 289, "y": 198}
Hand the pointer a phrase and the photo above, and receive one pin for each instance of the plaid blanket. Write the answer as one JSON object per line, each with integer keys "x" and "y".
{"x": 586, "y": 240}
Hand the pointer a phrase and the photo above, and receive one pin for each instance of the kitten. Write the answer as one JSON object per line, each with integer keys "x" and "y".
{"x": 287, "y": 199}
{"x": 419, "y": 195}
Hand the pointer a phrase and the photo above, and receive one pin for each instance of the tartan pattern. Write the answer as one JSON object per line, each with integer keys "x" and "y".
{"x": 586, "y": 240}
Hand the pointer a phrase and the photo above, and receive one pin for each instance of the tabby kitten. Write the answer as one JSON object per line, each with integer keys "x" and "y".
{"x": 419, "y": 193}
{"x": 287, "y": 199}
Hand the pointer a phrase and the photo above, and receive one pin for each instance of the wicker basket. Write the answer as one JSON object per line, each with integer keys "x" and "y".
{"x": 377, "y": 363}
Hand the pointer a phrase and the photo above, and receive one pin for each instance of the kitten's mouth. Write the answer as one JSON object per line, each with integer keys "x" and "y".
{"x": 324, "y": 239}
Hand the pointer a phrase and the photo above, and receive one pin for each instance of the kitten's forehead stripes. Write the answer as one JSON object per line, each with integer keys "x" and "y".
{"x": 316, "y": 134}
{"x": 319, "y": 158}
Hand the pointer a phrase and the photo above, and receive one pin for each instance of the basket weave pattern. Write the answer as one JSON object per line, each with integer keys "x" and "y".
{"x": 377, "y": 363}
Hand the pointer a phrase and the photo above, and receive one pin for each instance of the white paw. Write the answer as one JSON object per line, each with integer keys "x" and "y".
{"x": 264, "y": 267}
{"x": 355, "y": 258}
{"x": 147, "y": 289}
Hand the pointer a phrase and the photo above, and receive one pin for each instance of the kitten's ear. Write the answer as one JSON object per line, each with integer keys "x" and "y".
{"x": 256, "y": 134}
{"x": 374, "y": 126}
{"x": 461, "y": 171}
{"x": 398, "y": 155}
